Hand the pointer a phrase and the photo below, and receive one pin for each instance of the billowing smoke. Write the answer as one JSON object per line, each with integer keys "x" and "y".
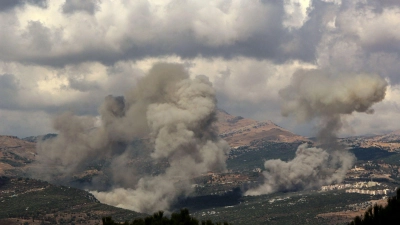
{"x": 316, "y": 94}
{"x": 175, "y": 113}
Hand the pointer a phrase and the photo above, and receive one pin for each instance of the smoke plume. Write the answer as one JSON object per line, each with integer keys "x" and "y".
{"x": 316, "y": 94}
{"x": 174, "y": 112}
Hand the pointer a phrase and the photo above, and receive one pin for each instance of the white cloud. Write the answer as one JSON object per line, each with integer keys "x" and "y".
{"x": 248, "y": 79}
{"x": 118, "y": 28}
{"x": 296, "y": 13}
{"x": 79, "y": 87}
{"x": 68, "y": 55}
{"x": 371, "y": 27}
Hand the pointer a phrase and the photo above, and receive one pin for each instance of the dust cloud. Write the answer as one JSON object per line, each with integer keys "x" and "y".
{"x": 174, "y": 113}
{"x": 317, "y": 94}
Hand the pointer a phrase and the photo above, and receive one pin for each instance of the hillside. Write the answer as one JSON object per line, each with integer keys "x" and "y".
{"x": 389, "y": 142}
{"x": 217, "y": 196}
{"x": 239, "y": 131}
{"x": 15, "y": 155}
{"x": 24, "y": 199}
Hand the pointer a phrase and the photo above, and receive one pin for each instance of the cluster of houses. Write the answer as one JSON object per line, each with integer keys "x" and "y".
{"x": 357, "y": 188}
{"x": 370, "y": 192}
{"x": 354, "y": 185}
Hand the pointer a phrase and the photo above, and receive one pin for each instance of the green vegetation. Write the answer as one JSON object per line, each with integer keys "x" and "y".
{"x": 284, "y": 208}
{"x": 373, "y": 153}
{"x": 388, "y": 215}
{"x": 213, "y": 200}
{"x": 181, "y": 218}
{"x": 245, "y": 158}
{"x": 12, "y": 163}
{"x": 201, "y": 202}
{"x": 393, "y": 159}
{"x": 14, "y": 159}
{"x": 30, "y": 198}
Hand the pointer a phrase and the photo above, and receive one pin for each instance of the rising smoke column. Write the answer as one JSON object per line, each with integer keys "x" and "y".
{"x": 176, "y": 112}
{"x": 183, "y": 131}
{"x": 317, "y": 94}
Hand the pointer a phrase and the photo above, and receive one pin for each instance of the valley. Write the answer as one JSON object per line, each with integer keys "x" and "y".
{"x": 216, "y": 196}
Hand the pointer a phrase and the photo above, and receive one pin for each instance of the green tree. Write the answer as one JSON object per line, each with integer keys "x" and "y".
{"x": 377, "y": 215}
{"x": 108, "y": 221}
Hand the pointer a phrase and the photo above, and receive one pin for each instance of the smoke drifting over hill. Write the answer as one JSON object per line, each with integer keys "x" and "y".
{"x": 176, "y": 112}
{"x": 316, "y": 94}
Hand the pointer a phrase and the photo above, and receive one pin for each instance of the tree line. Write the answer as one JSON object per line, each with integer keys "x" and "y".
{"x": 376, "y": 215}
{"x": 180, "y": 218}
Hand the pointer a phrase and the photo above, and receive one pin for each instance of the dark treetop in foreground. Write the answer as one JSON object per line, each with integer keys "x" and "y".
{"x": 379, "y": 215}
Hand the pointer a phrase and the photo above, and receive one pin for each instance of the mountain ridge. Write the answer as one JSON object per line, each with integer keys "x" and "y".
{"x": 239, "y": 131}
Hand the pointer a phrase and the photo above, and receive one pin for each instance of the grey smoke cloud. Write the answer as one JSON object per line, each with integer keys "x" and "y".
{"x": 176, "y": 113}
{"x": 318, "y": 94}
{"x": 312, "y": 167}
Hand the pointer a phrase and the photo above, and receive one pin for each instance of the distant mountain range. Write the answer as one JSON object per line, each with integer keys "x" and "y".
{"x": 389, "y": 142}
{"x": 252, "y": 143}
{"x": 16, "y": 154}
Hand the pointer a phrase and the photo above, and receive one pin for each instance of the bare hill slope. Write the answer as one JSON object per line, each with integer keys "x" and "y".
{"x": 389, "y": 142}
{"x": 239, "y": 131}
{"x": 15, "y": 154}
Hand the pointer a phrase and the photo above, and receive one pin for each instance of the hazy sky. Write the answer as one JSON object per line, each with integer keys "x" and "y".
{"x": 63, "y": 55}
